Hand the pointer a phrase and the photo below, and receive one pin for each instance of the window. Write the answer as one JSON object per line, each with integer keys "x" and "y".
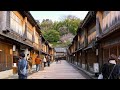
{"x": 15, "y": 23}
{"x": 36, "y": 37}
{"x": 29, "y": 35}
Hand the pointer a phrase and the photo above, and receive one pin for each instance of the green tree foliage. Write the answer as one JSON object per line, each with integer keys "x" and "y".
{"x": 46, "y": 24}
{"x": 71, "y": 22}
{"x": 52, "y": 31}
{"x": 51, "y": 35}
{"x": 68, "y": 24}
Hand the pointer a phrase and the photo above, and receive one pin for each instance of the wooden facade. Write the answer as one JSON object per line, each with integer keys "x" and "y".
{"x": 60, "y": 53}
{"x": 19, "y": 32}
{"x": 6, "y": 56}
{"x": 98, "y": 38}
{"x": 108, "y": 25}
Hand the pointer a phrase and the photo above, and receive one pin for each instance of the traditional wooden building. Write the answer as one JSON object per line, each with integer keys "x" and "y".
{"x": 60, "y": 53}
{"x": 97, "y": 38}
{"x": 46, "y": 49}
{"x": 84, "y": 46}
{"x": 108, "y": 34}
{"x": 90, "y": 41}
{"x": 19, "y": 32}
{"x": 52, "y": 53}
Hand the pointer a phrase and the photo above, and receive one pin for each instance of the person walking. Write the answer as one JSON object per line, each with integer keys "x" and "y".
{"x": 56, "y": 59}
{"x": 30, "y": 64}
{"x": 44, "y": 60}
{"x": 37, "y": 61}
{"x": 22, "y": 67}
{"x": 29, "y": 60}
{"x": 110, "y": 70}
{"x": 27, "y": 57}
{"x": 59, "y": 60}
{"x": 48, "y": 60}
{"x": 119, "y": 65}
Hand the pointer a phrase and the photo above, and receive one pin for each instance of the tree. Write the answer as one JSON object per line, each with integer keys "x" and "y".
{"x": 51, "y": 35}
{"x": 54, "y": 31}
{"x": 46, "y": 24}
{"x": 72, "y": 23}
{"x": 67, "y": 24}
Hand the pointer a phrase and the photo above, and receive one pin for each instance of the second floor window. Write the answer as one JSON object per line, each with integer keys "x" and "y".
{"x": 36, "y": 38}
{"x": 16, "y": 23}
{"x": 29, "y": 35}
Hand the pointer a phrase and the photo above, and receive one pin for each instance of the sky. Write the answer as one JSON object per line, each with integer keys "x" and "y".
{"x": 57, "y": 15}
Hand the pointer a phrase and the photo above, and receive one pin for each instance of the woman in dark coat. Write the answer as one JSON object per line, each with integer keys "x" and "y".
{"x": 110, "y": 70}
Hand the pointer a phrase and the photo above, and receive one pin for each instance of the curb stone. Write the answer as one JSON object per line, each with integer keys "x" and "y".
{"x": 92, "y": 76}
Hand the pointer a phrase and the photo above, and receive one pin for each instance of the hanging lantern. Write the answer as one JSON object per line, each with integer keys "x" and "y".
{"x": 14, "y": 47}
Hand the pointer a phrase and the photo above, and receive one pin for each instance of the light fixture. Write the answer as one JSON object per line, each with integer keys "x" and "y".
{"x": 14, "y": 47}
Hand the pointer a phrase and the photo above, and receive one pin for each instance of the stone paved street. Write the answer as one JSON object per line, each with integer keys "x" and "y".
{"x": 58, "y": 70}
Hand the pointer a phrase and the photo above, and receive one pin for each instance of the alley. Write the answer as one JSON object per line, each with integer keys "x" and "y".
{"x": 61, "y": 70}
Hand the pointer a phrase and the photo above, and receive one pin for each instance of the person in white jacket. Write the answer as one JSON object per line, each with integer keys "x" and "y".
{"x": 44, "y": 60}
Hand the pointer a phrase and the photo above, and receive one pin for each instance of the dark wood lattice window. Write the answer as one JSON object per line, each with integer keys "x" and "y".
{"x": 113, "y": 50}
{"x": 105, "y": 55}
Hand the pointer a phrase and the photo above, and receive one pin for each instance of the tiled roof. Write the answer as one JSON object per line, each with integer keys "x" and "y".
{"x": 60, "y": 49}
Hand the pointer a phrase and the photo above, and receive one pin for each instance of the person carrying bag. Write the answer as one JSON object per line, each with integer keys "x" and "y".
{"x": 110, "y": 70}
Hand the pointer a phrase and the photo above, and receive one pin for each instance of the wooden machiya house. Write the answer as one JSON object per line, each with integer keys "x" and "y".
{"x": 19, "y": 32}
{"x": 60, "y": 53}
{"x": 46, "y": 49}
{"x": 108, "y": 34}
{"x": 52, "y": 53}
{"x": 43, "y": 47}
{"x": 72, "y": 52}
{"x": 98, "y": 36}
{"x": 84, "y": 52}
{"x": 90, "y": 42}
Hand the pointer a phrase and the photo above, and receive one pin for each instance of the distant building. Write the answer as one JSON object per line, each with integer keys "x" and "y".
{"x": 60, "y": 53}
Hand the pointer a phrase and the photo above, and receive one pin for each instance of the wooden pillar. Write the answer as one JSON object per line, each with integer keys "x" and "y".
{"x": 117, "y": 52}
{"x": 103, "y": 55}
{"x": 81, "y": 58}
{"x": 109, "y": 51}
{"x": 85, "y": 37}
{"x": 86, "y": 61}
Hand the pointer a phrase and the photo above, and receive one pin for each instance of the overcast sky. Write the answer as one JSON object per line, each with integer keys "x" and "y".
{"x": 56, "y": 15}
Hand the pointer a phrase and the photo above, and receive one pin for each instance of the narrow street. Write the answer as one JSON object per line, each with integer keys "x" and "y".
{"x": 58, "y": 70}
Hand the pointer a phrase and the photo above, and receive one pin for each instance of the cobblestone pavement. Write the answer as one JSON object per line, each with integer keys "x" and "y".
{"x": 58, "y": 70}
